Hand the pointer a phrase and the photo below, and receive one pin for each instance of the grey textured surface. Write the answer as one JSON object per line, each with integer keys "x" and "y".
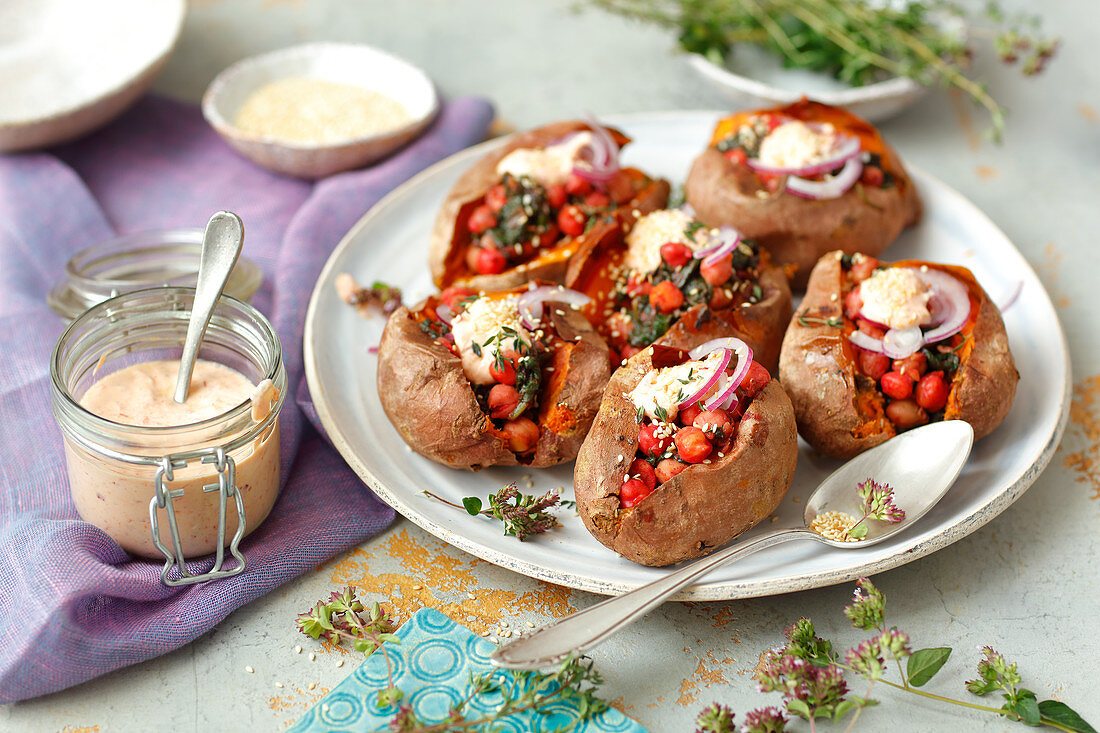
{"x": 1026, "y": 583}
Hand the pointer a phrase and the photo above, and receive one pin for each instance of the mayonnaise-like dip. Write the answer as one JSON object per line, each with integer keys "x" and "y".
{"x": 141, "y": 394}
{"x": 115, "y": 496}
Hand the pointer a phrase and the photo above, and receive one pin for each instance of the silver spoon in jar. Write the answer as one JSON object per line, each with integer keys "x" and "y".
{"x": 920, "y": 465}
{"x": 221, "y": 245}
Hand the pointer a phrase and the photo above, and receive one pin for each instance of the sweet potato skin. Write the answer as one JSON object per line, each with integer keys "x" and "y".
{"x": 703, "y": 507}
{"x": 817, "y": 368}
{"x": 795, "y": 230}
{"x": 432, "y": 405}
{"x": 448, "y": 241}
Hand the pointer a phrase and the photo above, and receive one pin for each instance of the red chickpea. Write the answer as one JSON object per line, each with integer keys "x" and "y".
{"x": 669, "y": 468}
{"x": 873, "y": 364}
{"x": 503, "y": 371}
{"x": 720, "y": 299}
{"x": 571, "y": 220}
{"x": 862, "y": 269}
{"x": 755, "y": 380}
{"x": 522, "y": 434}
{"x": 597, "y": 200}
{"x": 577, "y": 186}
{"x": 496, "y": 197}
{"x": 633, "y": 491}
{"x": 490, "y": 261}
{"x": 650, "y": 443}
{"x": 641, "y": 469}
{"x": 716, "y": 273}
{"x": 692, "y": 445}
{"x": 503, "y": 401}
{"x": 931, "y": 391}
{"x": 556, "y": 195}
{"x": 481, "y": 219}
{"x": 688, "y": 414}
{"x": 713, "y": 422}
{"x": 906, "y": 414}
{"x": 853, "y": 303}
{"x": 913, "y": 366}
{"x": 666, "y": 297}
{"x": 676, "y": 254}
{"x": 896, "y": 385}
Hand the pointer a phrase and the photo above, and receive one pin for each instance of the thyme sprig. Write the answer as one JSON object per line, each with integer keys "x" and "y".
{"x": 810, "y": 676}
{"x": 523, "y": 515}
{"x": 856, "y": 43}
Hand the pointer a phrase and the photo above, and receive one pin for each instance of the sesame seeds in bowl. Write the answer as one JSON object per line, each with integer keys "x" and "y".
{"x": 313, "y": 110}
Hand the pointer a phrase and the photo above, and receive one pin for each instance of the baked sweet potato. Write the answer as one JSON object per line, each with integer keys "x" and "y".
{"x": 483, "y": 390}
{"x": 848, "y": 398}
{"x": 665, "y": 487}
{"x": 497, "y": 230}
{"x": 647, "y": 284}
{"x": 724, "y": 187}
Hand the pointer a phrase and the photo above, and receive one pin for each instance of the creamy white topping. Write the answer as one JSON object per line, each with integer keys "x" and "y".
{"x": 662, "y": 389}
{"x": 652, "y": 231}
{"x": 483, "y": 322}
{"x": 795, "y": 144}
{"x": 550, "y": 165}
{"x": 896, "y": 297}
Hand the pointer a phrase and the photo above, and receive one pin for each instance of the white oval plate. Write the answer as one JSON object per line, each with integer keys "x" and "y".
{"x": 390, "y": 243}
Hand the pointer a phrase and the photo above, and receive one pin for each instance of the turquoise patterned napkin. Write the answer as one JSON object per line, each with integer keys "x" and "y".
{"x": 432, "y": 665}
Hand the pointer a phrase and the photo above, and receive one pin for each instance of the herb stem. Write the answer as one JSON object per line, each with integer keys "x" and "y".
{"x": 437, "y": 497}
{"x": 908, "y": 688}
{"x": 855, "y": 715}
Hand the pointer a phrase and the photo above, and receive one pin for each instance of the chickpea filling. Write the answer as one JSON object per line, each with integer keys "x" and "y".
{"x": 672, "y": 439}
{"x": 913, "y": 390}
{"x": 646, "y": 301}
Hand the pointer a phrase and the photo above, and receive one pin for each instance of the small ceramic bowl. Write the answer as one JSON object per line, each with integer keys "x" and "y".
{"x": 345, "y": 63}
{"x": 69, "y": 68}
{"x": 759, "y": 80}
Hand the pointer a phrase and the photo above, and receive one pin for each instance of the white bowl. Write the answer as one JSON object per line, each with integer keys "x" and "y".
{"x": 761, "y": 81}
{"x": 345, "y": 63}
{"x": 66, "y": 67}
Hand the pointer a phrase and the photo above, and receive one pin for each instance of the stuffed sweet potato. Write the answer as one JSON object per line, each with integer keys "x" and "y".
{"x": 876, "y": 348}
{"x": 494, "y": 379}
{"x": 667, "y": 277}
{"x": 522, "y": 211}
{"x": 685, "y": 453}
{"x": 803, "y": 180}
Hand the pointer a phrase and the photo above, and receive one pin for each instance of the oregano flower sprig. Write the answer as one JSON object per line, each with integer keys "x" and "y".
{"x": 810, "y": 675}
{"x": 878, "y": 503}
{"x": 523, "y": 515}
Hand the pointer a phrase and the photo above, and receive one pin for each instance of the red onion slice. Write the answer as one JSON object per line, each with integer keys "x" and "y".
{"x": 832, "y": 187}
{"x": 744, "y": 360}
{"x": 728, "y": 239}
{"x": 952, "y": 304}
{"x": 602, "y": 160}
{"x": 711, "y": 381}
{"x": 899, "y": 343}
{"x": 444, "y": 313}
{"x": 530, "y": 303}
{"x": 863, "y": 341}
{"x": 845, "y": 149}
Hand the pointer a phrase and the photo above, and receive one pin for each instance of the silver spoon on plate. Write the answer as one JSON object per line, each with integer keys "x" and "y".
{"x": 920, "y": 465}
{"x": 221, "y": 246}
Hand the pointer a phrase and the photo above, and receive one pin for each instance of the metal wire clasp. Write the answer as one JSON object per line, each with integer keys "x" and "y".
{"x": 163, "y": 498}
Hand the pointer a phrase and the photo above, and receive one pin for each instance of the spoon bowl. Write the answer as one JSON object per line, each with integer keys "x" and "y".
{"x": 919, "y": 465}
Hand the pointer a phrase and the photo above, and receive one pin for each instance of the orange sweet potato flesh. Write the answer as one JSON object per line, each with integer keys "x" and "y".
{"x": 795, "y": 230}
{"x": 840, "y": 411}
{"x": 703, "y": 507}
{"x": 432, "y": 405}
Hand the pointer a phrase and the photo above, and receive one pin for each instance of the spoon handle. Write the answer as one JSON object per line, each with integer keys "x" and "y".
{"x": 583, "y": 630}
{"x": 221, "y": 245}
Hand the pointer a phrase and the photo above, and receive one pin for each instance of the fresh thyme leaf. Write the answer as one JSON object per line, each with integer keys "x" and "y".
{"x": 805, "y": 320}
{"x": 692, "y": 229}
{"x": 472, "y": 504}
{"x": 924, "y": 664}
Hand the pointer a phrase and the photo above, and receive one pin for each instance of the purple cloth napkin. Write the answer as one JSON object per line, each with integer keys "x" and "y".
{"x": 73, "y": 604}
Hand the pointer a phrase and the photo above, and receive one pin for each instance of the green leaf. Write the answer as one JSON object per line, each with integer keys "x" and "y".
{"x": 1062, "y": 714}
{"x": 1027, "y": 707}
{"x": 799, "y": 708}
{"x": 858, "y": 531}
{"x": 843, "y": 708}
{"x": 924, "y": 664}
{"x": 472, "y": 504}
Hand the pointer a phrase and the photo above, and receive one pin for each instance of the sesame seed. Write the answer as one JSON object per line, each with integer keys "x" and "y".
{"x": 484, "y": 633}
{"x": 312, "y": 685}
{"x": 471, "y": 596}
{"x": 324, "y": 708}
{"x": 494, "y": 639}
{"x": 416, "y": 587}
{"x": 249, "y": 669}
{"x": 279, "y": 685}
{"x": 297, "y": 650}
{"x": 531, "y": 624}
{"x": 312, "y": 656}
{"x": 619, "y": 459}
{"x": 339, "y": 662}
{"x": 834, "y": 525}
{"x": 504, "y": 623}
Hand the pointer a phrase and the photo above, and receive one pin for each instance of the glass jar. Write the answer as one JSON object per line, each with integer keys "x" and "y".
{"x": 166, "y": 257}
{"x": 183, "y": 491}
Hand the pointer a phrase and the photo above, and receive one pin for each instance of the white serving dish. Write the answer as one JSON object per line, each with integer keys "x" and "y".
{"x": 67, "y": 68}
{"x": 757, "y": 79}
{"x": 345, "y": 63}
